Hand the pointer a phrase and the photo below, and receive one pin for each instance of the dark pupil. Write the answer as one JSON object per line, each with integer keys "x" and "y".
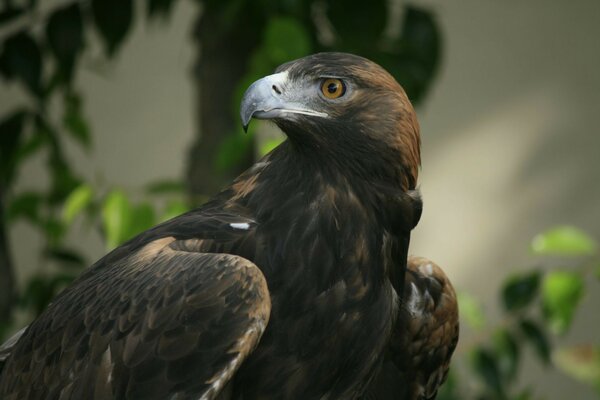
{"x": 332, "y": 87}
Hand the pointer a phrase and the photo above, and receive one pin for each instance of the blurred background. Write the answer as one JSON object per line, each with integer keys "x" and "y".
{"x": 118, "y": 114}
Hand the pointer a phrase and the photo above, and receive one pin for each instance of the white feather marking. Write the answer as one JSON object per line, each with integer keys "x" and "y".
{"x": 413, "y": 302}
{"x": 240, "y": 225}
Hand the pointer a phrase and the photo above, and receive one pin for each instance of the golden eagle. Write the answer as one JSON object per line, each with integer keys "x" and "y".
{"x": 292, "y": 283}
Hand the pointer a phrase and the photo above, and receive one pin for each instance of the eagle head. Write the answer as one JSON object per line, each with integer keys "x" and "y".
{"x": 341, "y": 103}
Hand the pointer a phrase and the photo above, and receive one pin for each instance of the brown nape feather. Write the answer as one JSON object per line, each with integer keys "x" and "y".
{"x": 426, "y": 336}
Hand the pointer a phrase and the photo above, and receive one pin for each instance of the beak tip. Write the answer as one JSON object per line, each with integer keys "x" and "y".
{"x": 245, "y": 126}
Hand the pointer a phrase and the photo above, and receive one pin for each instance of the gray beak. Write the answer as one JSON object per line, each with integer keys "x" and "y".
{"x": 271, "y": 97}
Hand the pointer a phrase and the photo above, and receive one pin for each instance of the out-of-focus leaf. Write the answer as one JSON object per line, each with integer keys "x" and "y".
{"x": 561, "y": 292}
{"x": 65, "y": 256}
{"x": 173, "y": 209}
{"x": 65, "y": 37}
{"x": 116, "y": 218}
{"x": 356, "y": 25}
{"x": 232, "y": 151}
{"x": 520, "y": 290}
{"x": 537, "y": 337}
{"x": 471, "y": 310}
{"x": 597, "y": 272}
{"x": 113, "y": 19}
{"x": 449, "y": 390}
{"x": 11, "y": 132}
{"x": 508, "y": 353}
{"x": 582, "y": 362}
{"x": 54, "y": 230}
{"x": 25, "y": 205}
{"x": 159, "y": 8}
{"x": 77, "y": 201}
{"x": 166, "y": 186}
{"x": 285, "y": 39}
{"x": 40, "y": 290}
{"x": 485, "y": 365}
{"x": 563, "y": 240}
{"x": 142, "y": 218}
{"x": 74, "y": 121}
{"x": 9, "y": 13}
{"x": 269, "y": 145}
{"x": 21, "y": 59}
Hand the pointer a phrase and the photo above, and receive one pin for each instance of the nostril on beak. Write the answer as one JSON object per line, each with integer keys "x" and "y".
{"x": 276, "y": 89}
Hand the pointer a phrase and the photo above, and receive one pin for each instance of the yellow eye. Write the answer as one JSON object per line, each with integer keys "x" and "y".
{"x": 333, "y": 88}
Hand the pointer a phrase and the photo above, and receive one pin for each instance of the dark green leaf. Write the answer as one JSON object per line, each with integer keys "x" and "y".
{"x": 159, "y": 8}
{"x": 9, "y": 13}
{"x": 40, "y": 290}
{"x": 66, "y": 257}
{"x": 537, "y": 337}
{"x": 25, "y": 205}
{"x": 74, "y": 121}
{"x": 54, "y": 230}
{"x": 485, "y": 365}
{"x": 507, "y": 350}
{"x": 520, "y": 290}
{"x": 582, "y": 362}
{"x": 113, "y": 19}
{"x": 65, "y": 37}
{"x": 77, "y": 201}
{"x": 11, "y": 133}
{"x": 561, "y": 293}
{"x": 166, "y": 186}
{"x": 142, "y": 218}
{"x": 21, "y": 59}
{"x": 116, "y": 218}
{"x": 565, "y": 241}
{"x": 357, "y": 26}
{"x": 285, "y": 39}
{"x": 233, "y": 150}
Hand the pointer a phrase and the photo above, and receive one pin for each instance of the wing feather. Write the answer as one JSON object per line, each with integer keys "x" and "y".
{"x": 167, "y": 319}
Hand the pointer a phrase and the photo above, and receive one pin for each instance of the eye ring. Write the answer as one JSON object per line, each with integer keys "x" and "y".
{"x": 333, "y": 88}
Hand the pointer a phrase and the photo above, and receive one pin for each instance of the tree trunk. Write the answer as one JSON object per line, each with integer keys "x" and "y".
{"x": 223, "y": 57}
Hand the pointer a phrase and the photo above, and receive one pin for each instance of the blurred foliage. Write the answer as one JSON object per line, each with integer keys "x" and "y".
{"x": 538, "y": 306}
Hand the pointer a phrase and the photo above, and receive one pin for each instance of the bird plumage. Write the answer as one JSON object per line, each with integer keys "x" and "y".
{"x": 287, "y": 284}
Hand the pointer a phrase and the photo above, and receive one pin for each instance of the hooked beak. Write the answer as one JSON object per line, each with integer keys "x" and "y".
{"x": 270, "y": 98}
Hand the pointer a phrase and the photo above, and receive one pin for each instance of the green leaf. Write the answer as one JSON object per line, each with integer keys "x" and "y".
{"x": 564, "y": 241}
{"x": 65, "y": 37}
{"x": 508, "y": 353}
{"x": 167, "y": 186}
{"x": 581, "y": 362}
{"x": 9, "y": 13}
{"x": 113, "y": 19}
{"x": 25, "y": 205}
{"x": 116, "y": 218}
{"x": 485, "y": 365}
{"x": 65, "y": 256}
{"x": 285, "y": 39}
{"x": 520, "y": 290}
{"x": 11, "y": 136}
{"x": 561, "y": 293}
{"x": 269, "y": 145}
{"x": 471, "y": 310}
{"x": 159, "y": 8}
{"x": 54, "y": 230}
{"x": 537, "y": 338}
{"x": 74, "y": 121}
{"x": 77, "y": 201}
{"x": 357, "y": 26}
{"x": 173, "y": 209}
{"x": 21, "y": 58}
{"x": 142, "y": 218}
{"x": 232, "y": 151}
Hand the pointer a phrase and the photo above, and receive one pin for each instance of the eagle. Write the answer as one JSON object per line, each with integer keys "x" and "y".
{"x": 293, "y": 282}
